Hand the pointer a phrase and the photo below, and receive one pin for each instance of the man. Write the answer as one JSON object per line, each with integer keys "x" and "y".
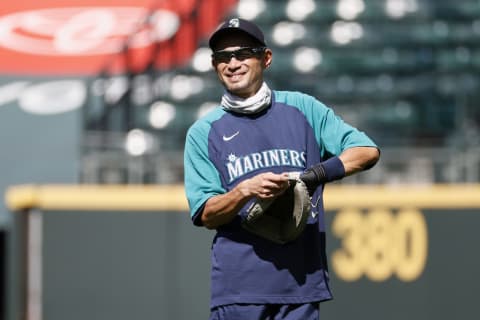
{"x": 241, "y": 152}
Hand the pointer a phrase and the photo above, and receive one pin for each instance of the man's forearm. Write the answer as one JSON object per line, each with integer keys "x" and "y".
{"x": 359, "y": 158}
{"x": 222, "y": 208}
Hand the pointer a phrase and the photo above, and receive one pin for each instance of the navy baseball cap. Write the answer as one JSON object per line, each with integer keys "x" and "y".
{"x": 237, "y": 24}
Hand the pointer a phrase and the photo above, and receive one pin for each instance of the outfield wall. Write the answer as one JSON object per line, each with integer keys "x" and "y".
{"x": 131, "y": 252}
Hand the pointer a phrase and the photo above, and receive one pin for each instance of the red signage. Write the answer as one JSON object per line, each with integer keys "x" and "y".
{"x": 81, "y": 37}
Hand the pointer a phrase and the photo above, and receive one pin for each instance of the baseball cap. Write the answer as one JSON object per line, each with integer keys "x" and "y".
{"x": 237, "y": 24}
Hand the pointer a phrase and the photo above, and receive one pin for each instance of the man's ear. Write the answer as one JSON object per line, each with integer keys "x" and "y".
{"x": 267, "y": 58}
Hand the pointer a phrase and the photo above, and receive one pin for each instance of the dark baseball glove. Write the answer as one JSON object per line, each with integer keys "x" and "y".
{"x": 283, "y": 218}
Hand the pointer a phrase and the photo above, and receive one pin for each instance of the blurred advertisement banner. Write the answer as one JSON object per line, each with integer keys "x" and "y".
{"x": 58, "y": 37}
{"x": 52, "y": 52}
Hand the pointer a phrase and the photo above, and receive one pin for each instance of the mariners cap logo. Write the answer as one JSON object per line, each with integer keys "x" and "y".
{"x": 237, "y": 24}
{"x": 234, "y": 23}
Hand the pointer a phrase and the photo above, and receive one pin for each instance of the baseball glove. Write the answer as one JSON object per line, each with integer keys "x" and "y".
{"x": 283, "y": 218}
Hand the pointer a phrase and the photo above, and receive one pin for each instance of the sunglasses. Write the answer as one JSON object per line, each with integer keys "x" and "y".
{"x": 239, "y": 54}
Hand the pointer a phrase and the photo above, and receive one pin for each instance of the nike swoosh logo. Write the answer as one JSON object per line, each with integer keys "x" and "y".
{"x": 230, "y": 137}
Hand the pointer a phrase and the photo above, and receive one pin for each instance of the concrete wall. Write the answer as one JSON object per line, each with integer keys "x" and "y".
{"x": 414, "y": 258}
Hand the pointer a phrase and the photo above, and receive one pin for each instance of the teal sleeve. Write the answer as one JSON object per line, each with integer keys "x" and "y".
{"x": 333, "y": 135}
{"x": 201, "y": 178}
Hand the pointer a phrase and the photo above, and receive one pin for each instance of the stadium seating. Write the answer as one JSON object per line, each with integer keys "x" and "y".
{"x": 404, "y": 71}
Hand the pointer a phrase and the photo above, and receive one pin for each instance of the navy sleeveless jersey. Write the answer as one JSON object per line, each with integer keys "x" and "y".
{"x": 224, "y": 148}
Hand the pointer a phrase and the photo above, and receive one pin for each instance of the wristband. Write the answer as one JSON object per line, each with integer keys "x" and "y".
{"x": 334, "y": 169}
{"x": 326, "y": 171}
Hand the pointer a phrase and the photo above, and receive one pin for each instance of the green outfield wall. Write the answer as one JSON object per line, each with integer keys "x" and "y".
{"x": 131, "y": 252}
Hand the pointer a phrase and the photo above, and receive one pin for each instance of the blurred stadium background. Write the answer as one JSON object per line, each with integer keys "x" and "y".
{"x": 405, "y": 71}
{"x": 102, "y": 93}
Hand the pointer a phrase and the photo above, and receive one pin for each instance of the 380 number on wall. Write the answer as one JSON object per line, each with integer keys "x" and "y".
{"x": 380, "y": 243}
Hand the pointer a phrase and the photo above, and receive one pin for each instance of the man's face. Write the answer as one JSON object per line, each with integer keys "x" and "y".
{"x": 242, "y": 74}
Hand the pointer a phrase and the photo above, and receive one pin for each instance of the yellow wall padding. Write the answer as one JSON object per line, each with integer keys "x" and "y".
{"x": 172, "y": 197}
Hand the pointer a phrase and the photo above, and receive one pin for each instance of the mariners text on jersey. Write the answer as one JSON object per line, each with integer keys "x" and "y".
{"x": 238, "y": 166}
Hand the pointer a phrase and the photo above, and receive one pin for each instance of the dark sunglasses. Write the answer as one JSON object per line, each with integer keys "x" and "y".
{"x": 239, "y": 54}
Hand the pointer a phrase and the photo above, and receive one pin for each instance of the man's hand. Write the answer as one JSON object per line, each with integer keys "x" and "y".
{"x": 265, "y": 185}
{"x": 222, "y": 208}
